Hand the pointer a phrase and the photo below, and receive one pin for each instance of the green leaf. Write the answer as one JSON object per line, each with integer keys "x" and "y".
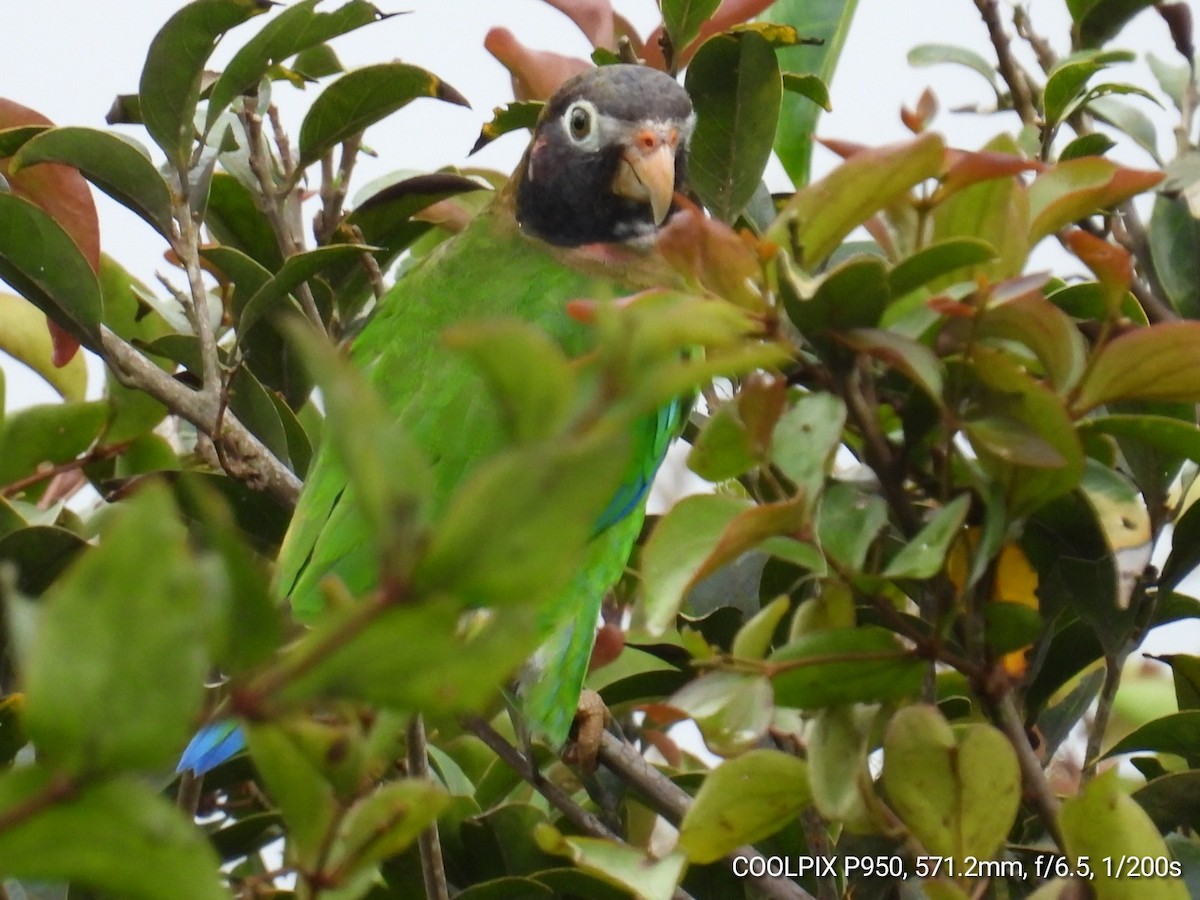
{"x": 809, "y": 86}
{"x": 923, "y": 556}
{"x": 1178, "y": 733}
{"x": 115, "y": 164}
{"x": 296, "y": 270}
{"x": 1125, "y": 117}
{"x": 938, "y": 261}
{"x": 682, "y": 19}
{"x": 1023, "y": 433}
{"x": 914, "y": 360}
{"x": 1171, "y": 801}
{"x": 1067, "y": 80}
{"x": 853, "y": 295}
{"x": 40, "y": 260}
{"x": 1155, "y": 363}
{"x": 680, "y": 543}
{"x": 53, "y": 433}
{"x": 1094, "y": 144}
{"x": 287, "y": 757}
{"x": 850, "y": 518}
{"x": 1042, "y": 327}
{"x": 825, "y": 20}
{"x": 125, "y": 838}
{"x": 736, "y": 87}
{"x": 723, "y": 449}
{"x": 844, "y": 665}
{"x": 1175, "y": 250}
{"x": 644, "y": 877}
{"x": 741, "y": 801}
{"x": 995, "y": 211}
{"x": 1098, "y": 21}
{"x": 170, "y": 82}
{"x": 505, "y": 119}
{"x": 733, "y": 710}
{"x": 1172, "y": 80}
{"x": 1175, "y": 437}
{"x": 1185, "y": 670}
{"x": 753, "y": 639}
{"x": 293, "y": 31}
{"x": 838, "y": 744}
{"x": 96, "y": 699}
{"x": 1104, "y": 823}
{"x": 363, "y": 97}
{"x": 385, "y": 823}
{"x": 934, "y": 54}
{"x": 233, "y": 217}
{"x": 828, "y": 210}
{"x": 958, "y": 790}
{"x": 24, "y": 337}
{"x": 805, "y": 439}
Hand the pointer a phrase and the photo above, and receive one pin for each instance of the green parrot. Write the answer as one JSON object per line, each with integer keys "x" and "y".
{"x": 577, "y": 219}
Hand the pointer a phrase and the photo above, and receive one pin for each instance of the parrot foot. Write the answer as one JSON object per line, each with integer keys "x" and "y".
{"x": 583, "y": 746}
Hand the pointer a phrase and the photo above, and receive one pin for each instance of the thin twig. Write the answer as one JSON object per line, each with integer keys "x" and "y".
{"x": 429, "y": 843}
{"x": 273, "y": 198}
{"x": 1010, "y": 70}
{"x": 672, "y": 802}
{"x": 1114, "y": 664}
{"x": 195, "y": 303}
{"x": 96, "y": 454}
{"x": 262, "y": 469}
{"x": 1007, "y": 719}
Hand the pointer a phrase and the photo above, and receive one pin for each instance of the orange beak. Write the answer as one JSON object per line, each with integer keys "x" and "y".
{"x": 646, "y": 172}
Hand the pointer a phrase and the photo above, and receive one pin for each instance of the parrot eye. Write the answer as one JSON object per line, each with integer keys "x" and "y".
{"x": 579, "y": 119}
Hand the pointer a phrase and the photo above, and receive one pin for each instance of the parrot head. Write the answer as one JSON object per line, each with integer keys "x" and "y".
{"x": 608, "y": 153}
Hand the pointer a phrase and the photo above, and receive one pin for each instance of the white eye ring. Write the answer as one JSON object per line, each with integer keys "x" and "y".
{"x": 579, "y": 121}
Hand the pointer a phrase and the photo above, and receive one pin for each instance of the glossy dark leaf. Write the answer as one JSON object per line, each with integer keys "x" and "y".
{"x": 937, "y": 261}
{"x": 117, "y": 166}
{"x": 729, "y": 149}
{"x": 683, "y": 18}
{"x": 294, "y": 30}
{"x": 170, "y": 82}
{"x": 1099, "y": 21}
{"x": 829, "y": 22}
{"x": 363, "y": 97}
{"x": 515, "y": 116}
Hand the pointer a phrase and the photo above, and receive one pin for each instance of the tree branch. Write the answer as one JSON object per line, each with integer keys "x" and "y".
{"x": 429, "y": 843}
{"x": 672, "y": 802}
{"x": 1010, "y": 70}
{"x": 1005, "y": 716}
{"x": 262, "y": 469}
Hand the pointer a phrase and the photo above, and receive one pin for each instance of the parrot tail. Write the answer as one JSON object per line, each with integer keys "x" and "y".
{"x": 211, "y": 746}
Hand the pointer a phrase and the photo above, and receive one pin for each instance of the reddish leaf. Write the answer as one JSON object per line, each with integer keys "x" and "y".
{"x": 728, "y": 14}
{"x": 917, "y": 120}
{"x": 64, "y": 194}
{"x": 536, "y": 74}
{"x": 1078, "y": 188}
{"x": 594, "y": 18}
{"x": 1111, "y": 264}
{"x": 964, "y": 168}
{"x": 713, "y": 254}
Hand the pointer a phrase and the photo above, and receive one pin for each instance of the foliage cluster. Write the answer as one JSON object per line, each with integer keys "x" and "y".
{"x": 939, "y": 477}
